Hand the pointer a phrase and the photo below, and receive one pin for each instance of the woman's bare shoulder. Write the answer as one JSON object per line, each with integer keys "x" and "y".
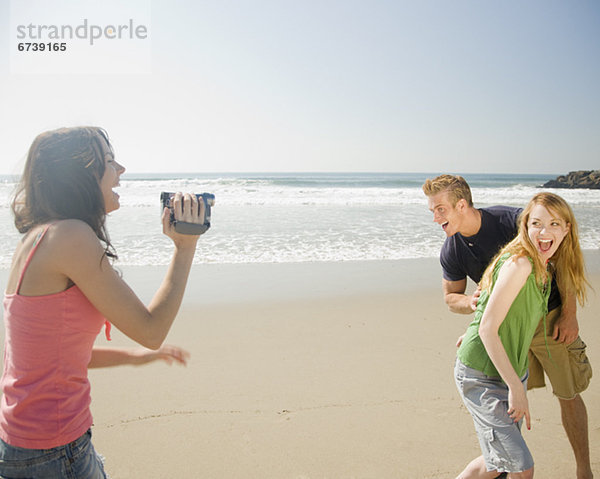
{"x": 72, "y": 237}
{"x": 71, "y": 229}
{"x": 518, "y": 264}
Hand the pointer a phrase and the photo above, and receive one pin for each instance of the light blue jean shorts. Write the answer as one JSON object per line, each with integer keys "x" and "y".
{"x": 502, "y": 444}
{"x": 76, "y": 460}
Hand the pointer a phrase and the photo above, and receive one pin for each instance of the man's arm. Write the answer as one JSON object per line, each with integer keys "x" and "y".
{"x": 456, "y": 299}
{"x": 566, "y": 327}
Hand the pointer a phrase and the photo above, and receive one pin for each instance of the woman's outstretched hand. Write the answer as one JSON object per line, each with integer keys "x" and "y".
{"x": 167, "y": 353}
{"x": 107, "y": 357}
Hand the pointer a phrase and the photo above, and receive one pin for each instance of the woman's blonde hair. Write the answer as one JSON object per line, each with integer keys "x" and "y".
{"x": 567, "y": 261}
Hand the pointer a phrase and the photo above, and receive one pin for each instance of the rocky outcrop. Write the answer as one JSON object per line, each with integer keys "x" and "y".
{"x": 576, "y": 179}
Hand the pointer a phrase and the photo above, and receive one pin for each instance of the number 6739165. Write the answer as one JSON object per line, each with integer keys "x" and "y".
{"x": 42, "y": 47}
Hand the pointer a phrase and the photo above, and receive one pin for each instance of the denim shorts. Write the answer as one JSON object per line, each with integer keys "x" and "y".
{"x": 502, "y": 445}
{"x": 76, "y": 460}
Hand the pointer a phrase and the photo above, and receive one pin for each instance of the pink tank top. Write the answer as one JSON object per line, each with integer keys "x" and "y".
{"x": 47, "y": 348}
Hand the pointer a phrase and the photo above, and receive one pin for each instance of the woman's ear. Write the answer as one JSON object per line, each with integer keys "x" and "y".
{"x": 567, "y": 230}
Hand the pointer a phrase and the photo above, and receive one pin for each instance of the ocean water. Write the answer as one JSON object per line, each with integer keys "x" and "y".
{"x": 285, "y": 217}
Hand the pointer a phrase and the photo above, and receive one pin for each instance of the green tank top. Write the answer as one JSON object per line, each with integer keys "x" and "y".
{"x": 516, "y": 331}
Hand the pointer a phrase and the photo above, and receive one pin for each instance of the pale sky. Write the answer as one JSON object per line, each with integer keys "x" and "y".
{"x": 401, "y": 86}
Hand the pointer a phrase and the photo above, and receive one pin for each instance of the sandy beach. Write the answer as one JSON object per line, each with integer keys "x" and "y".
{"x": 312, "y": 370}
{"x": 318, "y": 370}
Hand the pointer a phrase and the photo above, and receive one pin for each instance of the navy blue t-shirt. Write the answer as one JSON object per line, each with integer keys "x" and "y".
{"x": 463, "y": 256}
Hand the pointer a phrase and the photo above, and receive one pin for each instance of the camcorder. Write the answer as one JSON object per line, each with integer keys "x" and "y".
{"x": 182, "y": 227}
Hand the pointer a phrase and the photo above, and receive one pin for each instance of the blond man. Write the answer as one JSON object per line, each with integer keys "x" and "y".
{"x": 473, "y": 237}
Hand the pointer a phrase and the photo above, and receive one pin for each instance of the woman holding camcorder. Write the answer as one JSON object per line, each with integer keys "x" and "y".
{"x": 62, "y": 289}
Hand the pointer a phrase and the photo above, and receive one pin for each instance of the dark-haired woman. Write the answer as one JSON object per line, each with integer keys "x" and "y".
{"x": 61, "y": 291}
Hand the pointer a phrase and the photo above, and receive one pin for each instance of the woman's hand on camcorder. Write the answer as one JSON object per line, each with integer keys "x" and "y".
{"x": 186, "y": 208}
